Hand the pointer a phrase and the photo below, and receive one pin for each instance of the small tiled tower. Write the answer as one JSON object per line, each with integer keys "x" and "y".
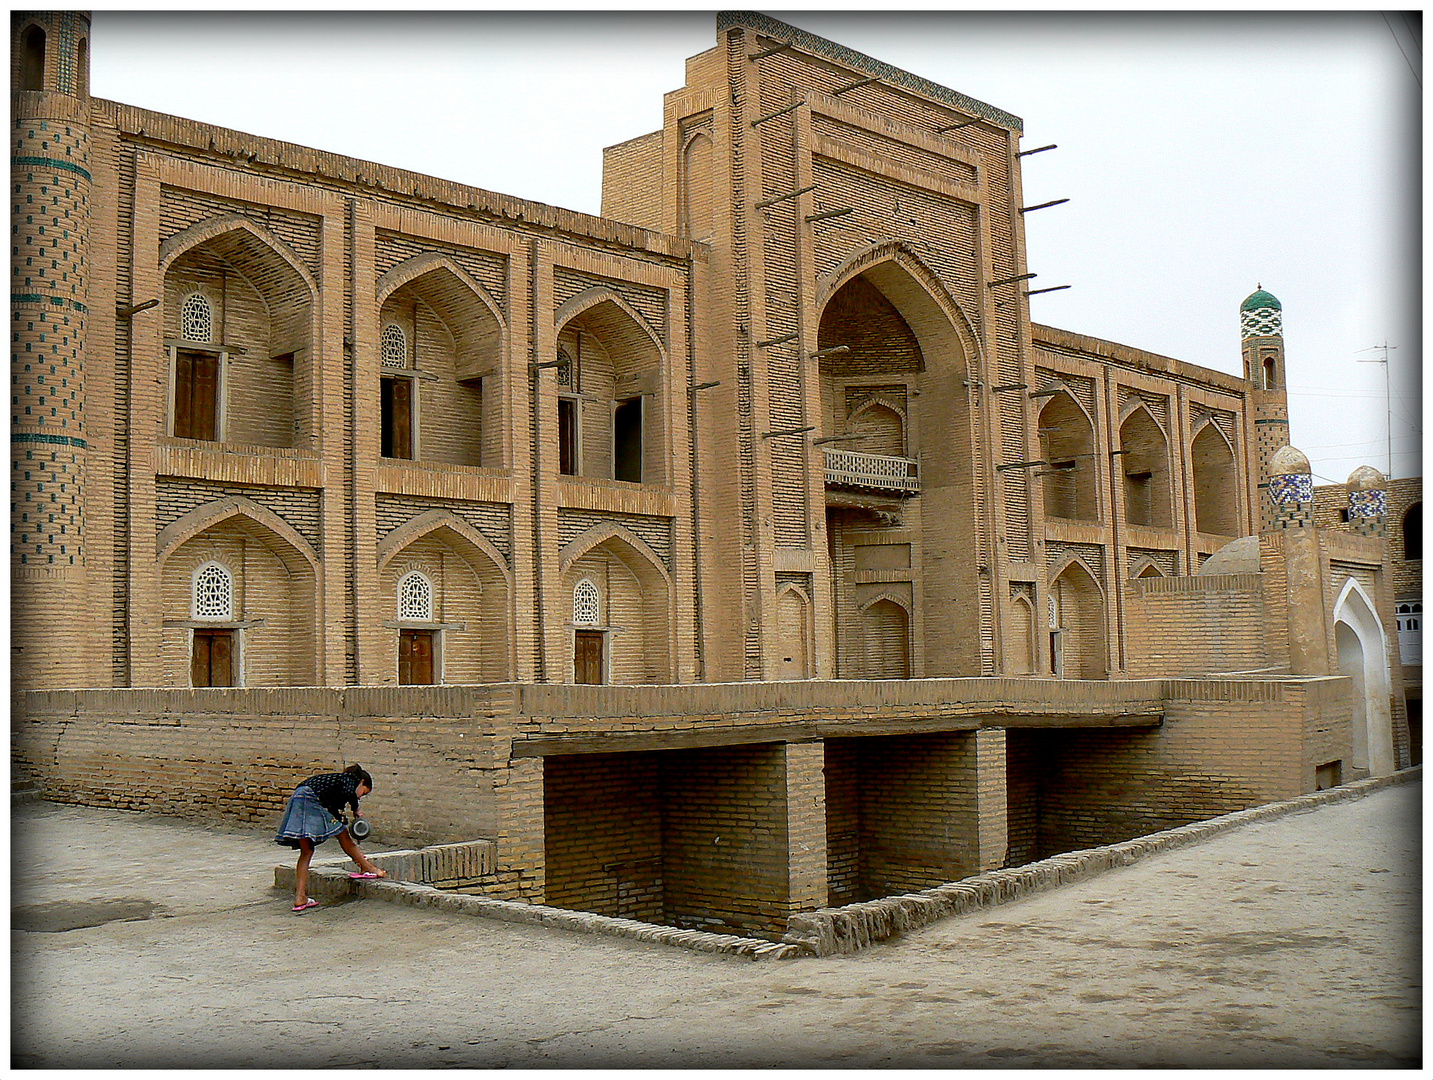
{"x": 49, "y": 214}
{"x": 1290, "y": 483}
{"x": 1261, "y": 334}
{"x": 1367, "y": 502}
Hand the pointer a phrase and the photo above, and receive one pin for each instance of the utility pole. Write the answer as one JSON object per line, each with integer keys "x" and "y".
{"x": 1387, "y": 396}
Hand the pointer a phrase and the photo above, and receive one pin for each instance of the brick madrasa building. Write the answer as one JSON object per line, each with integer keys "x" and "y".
{"x": 743, "y": 551}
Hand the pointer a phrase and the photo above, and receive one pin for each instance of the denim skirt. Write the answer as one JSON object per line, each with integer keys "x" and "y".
{"x": 306, "y": 819}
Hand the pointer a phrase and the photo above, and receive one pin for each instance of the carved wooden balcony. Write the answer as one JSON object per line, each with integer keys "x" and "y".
{"x": 872, "y": 472}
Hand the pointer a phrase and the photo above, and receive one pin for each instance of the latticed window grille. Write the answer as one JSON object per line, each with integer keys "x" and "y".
{"x": 196, "y": 318}
{"x": 586, "y": 604}
{"x": 564, "y": 370}
{"x": 415, "y": 597}
{"x": 395, "y": 346}
{"x": 213, "y": 593}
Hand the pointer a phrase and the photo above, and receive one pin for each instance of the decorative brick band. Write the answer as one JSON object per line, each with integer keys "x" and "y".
{"x": 52, "y": 163}
{"x": 36, "y": 437}
{"x": 37, "y": 298}
{"x": 848, "y": 929}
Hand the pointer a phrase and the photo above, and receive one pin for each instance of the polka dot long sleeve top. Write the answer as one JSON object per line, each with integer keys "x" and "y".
{"x": 335, "y": 790}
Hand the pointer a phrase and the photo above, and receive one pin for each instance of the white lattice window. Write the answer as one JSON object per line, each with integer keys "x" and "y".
{"x": 213, "y": 592}
{"x": 586, "y": 604}
{"x": 1410, "y": 631}
{"x": 415, "y": 597}
{"x": 196, "y": 318}
{"x": 395, "y": 346}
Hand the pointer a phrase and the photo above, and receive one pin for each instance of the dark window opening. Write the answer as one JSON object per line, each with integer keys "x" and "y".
{"x": 1270, "y": 378}
{"x": 1413, "y": 532}
{"x": 415, "y": 657}
{"x": 82, "y": 69}
{"x": 567, "y": 436}
{"x": 32, "y": 60}
{"x": 627, "y": 441}
{"x": 196, "y": 395}
{"x": 212, "y": 663}
{"x": 396, "y": 418}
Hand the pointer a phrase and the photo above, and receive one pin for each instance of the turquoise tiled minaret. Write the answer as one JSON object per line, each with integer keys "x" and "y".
{"x": 1261, "y": 334}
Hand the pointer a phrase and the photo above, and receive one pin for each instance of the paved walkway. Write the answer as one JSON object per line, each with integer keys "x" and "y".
{"x": 1295, "y": 943}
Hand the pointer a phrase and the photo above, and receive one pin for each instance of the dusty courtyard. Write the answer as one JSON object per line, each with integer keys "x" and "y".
{"x": 1292, "y": 943}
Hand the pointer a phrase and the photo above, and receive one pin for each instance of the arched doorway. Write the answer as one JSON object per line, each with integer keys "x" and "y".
{"x": 1363, "y": 657}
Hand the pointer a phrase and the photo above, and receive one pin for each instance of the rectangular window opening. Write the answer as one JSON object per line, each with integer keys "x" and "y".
{"x": 627, "y": 441}
{"x": 396, "y": 418}
{"x": 567, "y": 436}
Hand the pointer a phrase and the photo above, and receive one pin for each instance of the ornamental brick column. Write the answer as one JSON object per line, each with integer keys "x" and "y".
{"x": 1367, "y": 502}
{"x": 56, "y": 638}
{"x": 1291, "y": 494}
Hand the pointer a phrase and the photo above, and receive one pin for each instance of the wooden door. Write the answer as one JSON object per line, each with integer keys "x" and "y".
{"x": 587, "y": 657}
{"x": 415, "y": 657}
{"x": 212, "y": 662}
{"x": 196, "y": 395}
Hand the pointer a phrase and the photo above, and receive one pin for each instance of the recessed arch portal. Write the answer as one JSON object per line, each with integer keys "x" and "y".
{"x": 898, "y": 357}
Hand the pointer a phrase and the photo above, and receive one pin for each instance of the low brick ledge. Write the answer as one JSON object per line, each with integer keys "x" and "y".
{"x": 330, "y": 884}
{"x": 830, "y": 931}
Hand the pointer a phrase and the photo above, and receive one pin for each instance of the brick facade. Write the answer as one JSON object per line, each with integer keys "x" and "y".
{"x": 780, "y": 416}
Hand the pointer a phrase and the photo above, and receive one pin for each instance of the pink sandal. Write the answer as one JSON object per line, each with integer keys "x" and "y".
{"x": 364, "y": 876}
{"x": 299, "y": 909}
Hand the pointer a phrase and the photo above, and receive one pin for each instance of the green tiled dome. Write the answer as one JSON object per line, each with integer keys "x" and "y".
{"x": 1259, "y": 300}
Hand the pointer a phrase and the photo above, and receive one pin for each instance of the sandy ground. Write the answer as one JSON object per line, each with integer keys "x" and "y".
{"x": 1294, "y": 943}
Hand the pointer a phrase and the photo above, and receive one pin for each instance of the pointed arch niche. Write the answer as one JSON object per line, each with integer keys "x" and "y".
{"x": 1145, "y": 465}
{"x": 238, "y": 585}
{"x": 238, "y": 333}
{"x": 611, "y": 401}
{"x": 1216, "y": 488}
{"x": 441, "y": 343}
{"x": 634, "y": 599}
{"x": 1067, "y": 438}
{"x": 455, "y": 575}
{"x": 1077, "y": 607}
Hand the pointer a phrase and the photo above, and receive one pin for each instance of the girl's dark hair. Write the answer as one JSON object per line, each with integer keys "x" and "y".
{"x": 362, "y": 773}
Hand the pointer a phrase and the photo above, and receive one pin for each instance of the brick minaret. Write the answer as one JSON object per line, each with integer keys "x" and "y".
{"x": 50, "y": 197}
{"x": 1261, "y": 335}
{"x": 1367, "y": 502}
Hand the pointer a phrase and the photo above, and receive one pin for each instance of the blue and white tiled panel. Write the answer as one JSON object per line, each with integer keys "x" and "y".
{"x": 1293, "y": 488}
{"x": 1367, "y": 504}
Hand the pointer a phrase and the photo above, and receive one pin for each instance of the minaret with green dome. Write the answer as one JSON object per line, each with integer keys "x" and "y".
{"x": 1261, "y": 334}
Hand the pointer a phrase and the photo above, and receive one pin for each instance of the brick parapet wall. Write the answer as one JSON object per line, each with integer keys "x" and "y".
{"x": 236, "y": 755}
{"x": 261, "y": 156}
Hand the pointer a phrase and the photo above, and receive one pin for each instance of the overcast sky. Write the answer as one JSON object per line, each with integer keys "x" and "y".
{"x": 1204, "y": 154}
